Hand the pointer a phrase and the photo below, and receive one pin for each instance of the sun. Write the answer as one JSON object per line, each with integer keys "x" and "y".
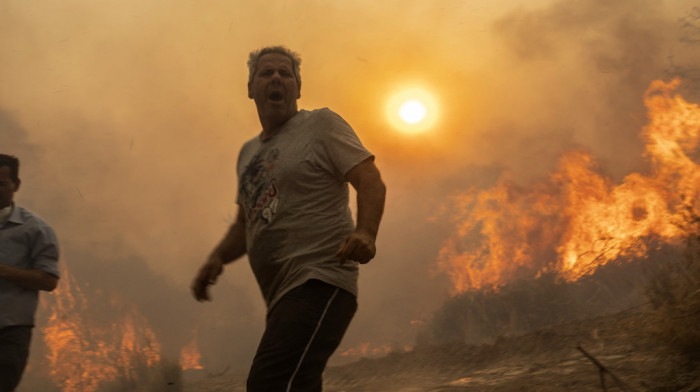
{"x": 412, "y": 111}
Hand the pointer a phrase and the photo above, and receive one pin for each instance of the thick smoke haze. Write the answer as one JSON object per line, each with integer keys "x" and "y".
{"x": 128, "y": 117}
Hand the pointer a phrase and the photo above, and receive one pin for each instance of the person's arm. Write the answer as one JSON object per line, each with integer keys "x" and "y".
{"x": 360, "y": 244}
{"x": 33, "y": 279}
{"x": 231, "y": 247}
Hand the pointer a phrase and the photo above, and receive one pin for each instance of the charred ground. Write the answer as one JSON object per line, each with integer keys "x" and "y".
{"x": 543, "y": 360}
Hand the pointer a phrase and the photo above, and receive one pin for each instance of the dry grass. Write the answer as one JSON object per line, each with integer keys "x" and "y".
{"x": 674, "y": 318}
{"x": 481, "y": 316}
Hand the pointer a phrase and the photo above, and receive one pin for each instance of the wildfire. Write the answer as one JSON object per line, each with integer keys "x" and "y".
{"x": 84, "y": 350}
{"x": 190, "y": 356}
{"x": 578, "y": 220}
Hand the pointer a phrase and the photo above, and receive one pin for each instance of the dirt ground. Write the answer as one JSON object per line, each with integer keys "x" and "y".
{"x": 545, "y": 360}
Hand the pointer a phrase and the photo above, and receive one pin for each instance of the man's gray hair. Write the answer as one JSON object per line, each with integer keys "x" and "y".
{"x": 255, "y": 56}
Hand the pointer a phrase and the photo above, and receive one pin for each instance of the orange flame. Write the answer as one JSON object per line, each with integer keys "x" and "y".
{"x": 84, "y": 352}
{"x": 190, "y": 356}
{"x": 578, "y": 220}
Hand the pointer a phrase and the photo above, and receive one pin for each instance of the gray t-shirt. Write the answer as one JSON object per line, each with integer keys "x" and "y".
{"x": 26, "y": 241}
{"x": 293, "y": 191}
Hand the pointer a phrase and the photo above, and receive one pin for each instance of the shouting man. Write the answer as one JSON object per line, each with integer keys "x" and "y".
{"x": 295, "y": 225}
{"x": 28, "y": 263}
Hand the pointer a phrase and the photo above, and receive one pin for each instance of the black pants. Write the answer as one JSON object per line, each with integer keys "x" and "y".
{"x": 302, "y": 331}
{"x": 14, "y": 351}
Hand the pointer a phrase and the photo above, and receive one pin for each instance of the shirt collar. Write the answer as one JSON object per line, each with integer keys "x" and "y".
{"x": 5, "y": 213}
{"x": 15, "y": 215}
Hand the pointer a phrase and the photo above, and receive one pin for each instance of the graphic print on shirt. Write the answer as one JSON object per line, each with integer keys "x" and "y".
{"x": 260, "y": 187}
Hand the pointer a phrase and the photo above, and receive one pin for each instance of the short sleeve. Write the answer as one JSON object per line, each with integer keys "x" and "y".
{"x": 341, "y": 147}
{"x": 243, "y": 155}
{"x": 44, "y": 253}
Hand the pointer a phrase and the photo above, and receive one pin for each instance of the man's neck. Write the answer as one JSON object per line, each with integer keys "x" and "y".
{"x": 272, "y": 125}
{"x": 269, "y": 131}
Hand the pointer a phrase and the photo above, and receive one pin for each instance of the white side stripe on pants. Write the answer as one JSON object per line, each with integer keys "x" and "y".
{"x": 306, "y": 349}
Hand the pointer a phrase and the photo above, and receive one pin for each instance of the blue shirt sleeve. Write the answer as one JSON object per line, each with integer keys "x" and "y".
{"x": 44, "y": 253}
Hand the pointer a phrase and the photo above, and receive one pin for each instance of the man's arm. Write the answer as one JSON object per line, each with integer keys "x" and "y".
{"x": 231, "y": 247}
{"x": 33, "y": 279}
{"x": 360, "y": 244}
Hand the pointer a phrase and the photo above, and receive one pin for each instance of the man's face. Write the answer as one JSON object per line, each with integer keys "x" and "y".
{"x": 274, "y": 88}
{"x": 7, "y": 187}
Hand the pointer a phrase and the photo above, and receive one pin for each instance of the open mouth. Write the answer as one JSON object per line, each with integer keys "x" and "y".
{"x": 275, "y": 97}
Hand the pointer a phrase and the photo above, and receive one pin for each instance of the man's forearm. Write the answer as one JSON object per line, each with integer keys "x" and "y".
{"x": 370, "y": 205}
{"x": 233, "y": 245}
{"x": 371, "y": 192}
{"x": 32, "y": 279}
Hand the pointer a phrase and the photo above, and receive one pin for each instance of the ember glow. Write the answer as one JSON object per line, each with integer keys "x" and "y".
{"x": 578, "y": 220}
{"x": 366, "y": 350}
{"x": 190, "y": 356}
{"x": 84, "y": 350}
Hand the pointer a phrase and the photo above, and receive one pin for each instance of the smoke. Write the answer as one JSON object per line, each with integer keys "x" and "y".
{"x": 13, "y": 137}
{"x": 128, "y": 117}
{"x": 577, "y": 72}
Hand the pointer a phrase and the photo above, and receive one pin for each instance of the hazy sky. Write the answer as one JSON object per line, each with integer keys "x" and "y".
{"x": 128, "y": 116}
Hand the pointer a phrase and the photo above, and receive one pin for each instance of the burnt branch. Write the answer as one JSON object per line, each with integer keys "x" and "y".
{"x": 603, "y": 370}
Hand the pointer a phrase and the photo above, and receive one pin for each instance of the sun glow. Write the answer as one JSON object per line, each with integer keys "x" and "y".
{"x": 412, "y": 111}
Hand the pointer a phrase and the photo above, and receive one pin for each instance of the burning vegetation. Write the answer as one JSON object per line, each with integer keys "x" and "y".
{"x": 96, "y": 341}
{"x": 578, "y": 220}
{"x": 577, "y": 246}
{"x": 190, "y": 356}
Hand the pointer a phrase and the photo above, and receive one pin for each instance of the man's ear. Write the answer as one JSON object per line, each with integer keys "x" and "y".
{"x": 250, "y": 91}
{"x": 17, "y": 184}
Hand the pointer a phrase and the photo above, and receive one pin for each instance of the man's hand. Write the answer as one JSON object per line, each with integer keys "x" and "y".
{"x": 206, "y": 277}
{"x": 231, "y": 247}
{"x": 358, "y": 246}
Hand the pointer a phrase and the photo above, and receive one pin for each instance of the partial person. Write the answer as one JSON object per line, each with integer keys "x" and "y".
{"x": 295, "y": 225}
{"x": 28, "y": 264}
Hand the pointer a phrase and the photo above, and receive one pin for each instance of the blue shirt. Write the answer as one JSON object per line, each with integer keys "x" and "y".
{"x": 26, "y": 241}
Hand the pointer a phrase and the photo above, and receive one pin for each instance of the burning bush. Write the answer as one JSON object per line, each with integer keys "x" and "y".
{"x": 578, "y": 220}
{"x": 97, "y": 341}
{"x": 514, "y": 246}
{"x": 87, "y": 345}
